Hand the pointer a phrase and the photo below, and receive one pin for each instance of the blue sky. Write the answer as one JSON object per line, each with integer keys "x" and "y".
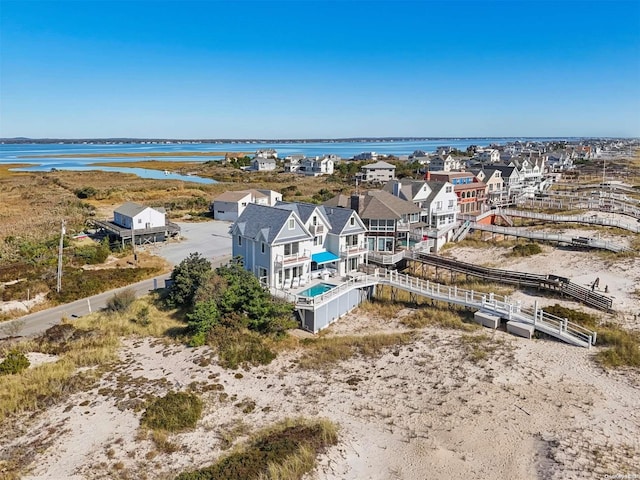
{"x": 301, "y": 69}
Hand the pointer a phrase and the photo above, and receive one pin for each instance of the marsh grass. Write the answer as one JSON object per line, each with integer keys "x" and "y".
{"x": 324, "y": 352}
{"x": 286, "y": 451}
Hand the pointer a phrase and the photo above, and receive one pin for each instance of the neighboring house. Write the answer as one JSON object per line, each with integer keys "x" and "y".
{"x": 391, "y": 222}
{"x": 230, "y": 205}
{"x": 469, "y": 190}
{"x": 261, "y": 164}
{"x": 488, "y": 155}
{"x": 380, "y": 172}
{"x": 292, "y": 241}
{"x": 438, "y": 202}
{"x": 316, "y": 166}
{"x": 292, "y": 163}
{"x": 492, "y": 177}
{"x": 267, "y": 153}
{"x": 445, "y": 163}
{"x": 366, "y": 156}
{"x": 139, "y": 217}
{"x": 511, "y": 179}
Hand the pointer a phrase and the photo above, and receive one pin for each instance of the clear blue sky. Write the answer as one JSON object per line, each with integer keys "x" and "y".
{"x": 266, "y": 69}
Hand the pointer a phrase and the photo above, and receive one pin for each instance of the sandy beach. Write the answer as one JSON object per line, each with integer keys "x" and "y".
{"x": 528, "y": 409}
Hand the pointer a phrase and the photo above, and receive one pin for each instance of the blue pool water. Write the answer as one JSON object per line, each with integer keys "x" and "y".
{"x": 316, "y": 290}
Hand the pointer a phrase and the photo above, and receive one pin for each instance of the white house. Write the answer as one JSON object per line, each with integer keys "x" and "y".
{"x": 445, "y": 163}
{"x": 315, "y": 166}
{"x": 138, "y": 217}
{"x": 286, "y": 245}
{"x": 267, "y": 153}
{"x": 230, "y": 205}
{"x": 261, "y": 164}
{"x": 378, "y": 172}
{"x": 488, "y": 155}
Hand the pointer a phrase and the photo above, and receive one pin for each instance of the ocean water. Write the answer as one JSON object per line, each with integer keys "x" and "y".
{"x": 14, "y": 153}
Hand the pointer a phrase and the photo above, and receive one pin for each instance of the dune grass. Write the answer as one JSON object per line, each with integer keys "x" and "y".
{"x": 175, "y": 412}
{"x": 324, "y": 352}
{"x": 441, "y": 316}
{"x": 94, "y": 343}
{"x": 286, "y": 451}
{"x": 622, "y": 346}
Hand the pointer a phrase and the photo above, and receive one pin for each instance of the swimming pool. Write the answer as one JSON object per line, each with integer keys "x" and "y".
{"x": 316, "y": 290}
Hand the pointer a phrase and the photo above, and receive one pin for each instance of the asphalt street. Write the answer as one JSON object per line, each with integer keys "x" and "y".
{"x": 210, "y": 239}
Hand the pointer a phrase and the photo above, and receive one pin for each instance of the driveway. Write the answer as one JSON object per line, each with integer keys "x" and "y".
{"x": 210, "y": 239}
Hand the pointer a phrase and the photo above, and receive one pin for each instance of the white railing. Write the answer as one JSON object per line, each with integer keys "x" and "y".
{"x": 293, "y": 258}
{"x": 570, "y": 218}
{"x": 346, "y": 250}
{"x": 316, "y": 229}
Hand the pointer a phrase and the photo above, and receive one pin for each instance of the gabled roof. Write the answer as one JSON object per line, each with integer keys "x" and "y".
{"x": 409, "y": 187}
{"x": 264, "y": 222}
{"x": 303, "y": 210}
{"x": 376, "y": 165}
{"x": 131, "y": 209}
{"x": 338, "y": 218}
{"x": 436, "y": 188}
{"x": 232, "y": 196}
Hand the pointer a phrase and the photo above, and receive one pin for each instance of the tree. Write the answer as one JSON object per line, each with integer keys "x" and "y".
{"x": 187, "y": 277}
{"x": 204, "y": 317}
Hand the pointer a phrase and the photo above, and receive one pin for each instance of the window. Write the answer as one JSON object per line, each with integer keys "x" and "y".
{"x": 352, "y": 221}
{"x": 451, "y": 203}
{"x": 317, "y": 240}
{"x": 291, "y": 248}
{"x": 449, "y": 189}
{"x": 292, "y": 224}
{"x": 139, "y": 220}
{"x": 262, "y": 247}
{"x": 239, "y": 240}
{"x": 315, "y": 220}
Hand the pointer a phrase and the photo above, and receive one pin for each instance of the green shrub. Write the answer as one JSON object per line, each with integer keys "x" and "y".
{"x": 86, "y": 192}
{"x": 121, "y": 301}
{"x": 525, "y": 250}
{"x": 286, "y": 451}
{"x": 239, "y": 347}
{"x": 175, "y": 412}
{"x": 14, "y": 362}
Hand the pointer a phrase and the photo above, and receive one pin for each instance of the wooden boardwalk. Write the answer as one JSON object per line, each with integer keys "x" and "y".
{"x": 552, "y": 283}
{"x": 584, "y": 242}
{"x": 498, "y": 305}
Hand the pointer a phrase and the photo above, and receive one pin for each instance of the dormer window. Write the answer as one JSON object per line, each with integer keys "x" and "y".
{"x": 352, "y": 221}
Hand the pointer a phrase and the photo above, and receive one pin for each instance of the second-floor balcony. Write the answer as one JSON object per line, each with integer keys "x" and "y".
{"x": 316, "y": 229}
{"x": 351, "y": 250}
{"x": 403, "y": 226}
{"x": 293, "y": 258}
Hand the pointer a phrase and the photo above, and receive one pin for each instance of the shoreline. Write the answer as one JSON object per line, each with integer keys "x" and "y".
{"x": 137, "y": 154}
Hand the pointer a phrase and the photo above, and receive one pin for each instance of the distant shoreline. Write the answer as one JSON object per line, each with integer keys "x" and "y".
{"x": 140, "y": 154}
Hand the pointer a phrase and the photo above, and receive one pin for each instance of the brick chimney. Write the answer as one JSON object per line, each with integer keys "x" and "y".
{"x": 427, "y": 177}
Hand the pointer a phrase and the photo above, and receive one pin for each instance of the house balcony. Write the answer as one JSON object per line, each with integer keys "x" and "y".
{"x": 353, "y": 250}
{"x": 293, "y": 259}
{"x": 316, "y": 230}
{"x": 402, "y": 226}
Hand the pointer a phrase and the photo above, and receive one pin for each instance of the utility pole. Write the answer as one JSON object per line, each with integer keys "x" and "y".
{"x": 59, "y": 282}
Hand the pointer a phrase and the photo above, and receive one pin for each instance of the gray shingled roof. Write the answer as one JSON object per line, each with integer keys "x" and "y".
{"x": 338, "y": 217}
{"x": 267, "y": 220}
{"x": 379, "y": 164}
{"x": 130, "y": 209}
{"x": 435, "y": 187}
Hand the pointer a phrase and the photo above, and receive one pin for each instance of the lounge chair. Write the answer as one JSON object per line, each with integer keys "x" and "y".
{"x": 296, "y": 282}
{"x": 287, "y": 284}
{"x": 303, "y": 281}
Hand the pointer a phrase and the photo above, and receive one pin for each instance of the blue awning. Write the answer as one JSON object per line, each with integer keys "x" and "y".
{"x": 324, "y": 257}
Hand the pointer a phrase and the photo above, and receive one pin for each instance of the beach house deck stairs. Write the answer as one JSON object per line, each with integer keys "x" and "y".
{"x": 592, "y": 220}
{"x": 462, "y": 231}
{"x": 549, "y": 282}
{"x": 497, "y": 305}
{"x": 585, "y": 242}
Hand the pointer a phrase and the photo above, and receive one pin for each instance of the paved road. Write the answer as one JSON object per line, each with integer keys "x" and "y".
{"x": 210, "y": 239}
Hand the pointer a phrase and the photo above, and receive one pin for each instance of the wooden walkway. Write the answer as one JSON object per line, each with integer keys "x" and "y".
{"x": 567, "y": 202}
{"x": 584, "y": 242}
{"x": 498, "y": 305}
{"x": 591, "y": 220}
{"x": 552, "y": 283}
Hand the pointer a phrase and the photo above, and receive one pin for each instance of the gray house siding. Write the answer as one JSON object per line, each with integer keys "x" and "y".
{"x": 286, "y": 235}
{"x": 337, "y": 307}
